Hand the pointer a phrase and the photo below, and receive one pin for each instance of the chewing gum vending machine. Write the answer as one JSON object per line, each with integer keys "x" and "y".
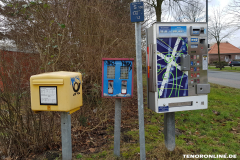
{"x": 117, "y": 77}
{"x": 177, "y": 65}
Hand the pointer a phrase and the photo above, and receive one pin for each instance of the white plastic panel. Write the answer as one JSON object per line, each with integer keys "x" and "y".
{"x": 198, "y": 102}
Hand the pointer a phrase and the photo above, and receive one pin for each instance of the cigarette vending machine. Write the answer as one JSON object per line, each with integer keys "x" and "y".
{"x": 177, "y": 65}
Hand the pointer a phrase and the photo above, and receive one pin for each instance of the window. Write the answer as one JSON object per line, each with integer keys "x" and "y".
{"x": 237, "y": 56}
{"x": 110, "y": 72}
{"x": 124, "y": 72}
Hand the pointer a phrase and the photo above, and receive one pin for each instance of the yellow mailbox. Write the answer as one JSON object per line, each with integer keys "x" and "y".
{"x": 56, "y": 91}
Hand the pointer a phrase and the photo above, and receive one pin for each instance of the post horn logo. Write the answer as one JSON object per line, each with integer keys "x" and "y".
{"x": 76, "y": 83}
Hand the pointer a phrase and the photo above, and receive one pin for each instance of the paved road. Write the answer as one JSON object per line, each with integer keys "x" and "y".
{"x": 231, "y": 79}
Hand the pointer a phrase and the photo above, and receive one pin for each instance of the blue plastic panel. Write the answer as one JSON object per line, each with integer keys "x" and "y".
{"x": 172, "y": 82}
{"x": 117, "y": 81}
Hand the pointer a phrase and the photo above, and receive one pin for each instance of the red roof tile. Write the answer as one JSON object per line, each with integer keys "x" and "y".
{"x": 225, "y": 48}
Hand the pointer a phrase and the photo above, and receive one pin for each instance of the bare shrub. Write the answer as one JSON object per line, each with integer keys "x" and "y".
{"x": 72, "y": 35}
{"x": 22, "y": 131}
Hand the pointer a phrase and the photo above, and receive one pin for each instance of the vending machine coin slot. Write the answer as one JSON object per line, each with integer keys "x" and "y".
{"x": 194, "y": 31}
{"x": 202, "y": 30}
{"x": 202, "y": 41}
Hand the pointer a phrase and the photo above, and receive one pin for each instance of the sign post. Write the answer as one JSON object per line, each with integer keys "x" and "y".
{"x": 137, "y": 16}
{"x": 66, "y": 136}
{"x": 169, "y": 130}
{"x": 117, "y": 127}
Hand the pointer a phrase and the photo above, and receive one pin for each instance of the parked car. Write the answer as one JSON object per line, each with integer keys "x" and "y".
{"x": 234, "y": 63}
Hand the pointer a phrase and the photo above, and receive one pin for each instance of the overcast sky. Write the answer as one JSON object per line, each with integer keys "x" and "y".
{"x": 235, "y": 38}
{"x": 221, "y": 3}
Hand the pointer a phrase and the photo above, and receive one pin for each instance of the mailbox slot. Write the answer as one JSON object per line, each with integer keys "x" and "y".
{"x": 47, "y": 81}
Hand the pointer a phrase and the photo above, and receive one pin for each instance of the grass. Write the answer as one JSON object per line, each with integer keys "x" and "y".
{"x": 227, "y": 68}
{"x": 214, "y": 131}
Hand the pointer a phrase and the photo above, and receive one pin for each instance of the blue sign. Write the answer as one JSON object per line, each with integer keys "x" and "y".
{"x": 137, "y": 12}
{"x": 194, "y": 39}
{"x": 172, "y": 31}
{"x": 163, "y": 108}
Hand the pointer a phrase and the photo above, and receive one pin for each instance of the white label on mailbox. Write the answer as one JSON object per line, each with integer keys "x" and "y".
{"x": 48, "y": 95}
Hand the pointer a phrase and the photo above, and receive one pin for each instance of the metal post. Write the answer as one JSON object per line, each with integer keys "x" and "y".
{"x": 146, "y": 33}
{"x": 140, "y": 88}
{"x": 206, "y": 10}
{"x": 117, "y": 127}
{"x": 66, "y": 136}
{"x": 169, "y": 130}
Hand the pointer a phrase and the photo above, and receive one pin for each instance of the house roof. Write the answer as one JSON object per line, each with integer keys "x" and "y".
{"x": 225, "y": 48}
{"x": 13, "y": 48}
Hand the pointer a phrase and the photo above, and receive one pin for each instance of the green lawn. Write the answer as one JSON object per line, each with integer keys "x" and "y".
{"x": 215, "y": 130}
{"x": 226, "y": 68}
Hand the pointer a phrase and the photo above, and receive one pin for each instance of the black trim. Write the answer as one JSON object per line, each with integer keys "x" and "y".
{"x": 48, "y": 103}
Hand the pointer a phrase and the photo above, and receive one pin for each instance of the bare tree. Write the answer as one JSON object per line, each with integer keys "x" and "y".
{"x": 158, "y": 6}
{"x": 220, "y": 27}
{"x": 187, "y": 10}
{"x": 234, "y": 9}
{"x": 193, "y": 11}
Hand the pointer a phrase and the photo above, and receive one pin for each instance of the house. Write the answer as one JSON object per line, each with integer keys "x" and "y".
{"x": 228, "y": 52}
{"x": 16, "y": 67}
